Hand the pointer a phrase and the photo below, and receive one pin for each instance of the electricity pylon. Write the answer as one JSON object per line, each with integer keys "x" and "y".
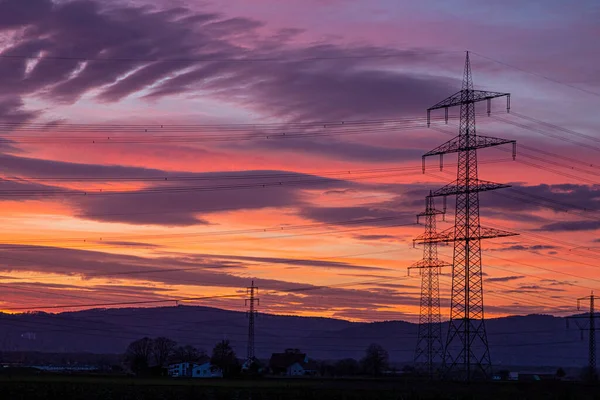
{"x": 591, "y": 328}
{"x": 467, "y": 354}
{"x": 430, "y": 347}
{"x": 252, "y": 291}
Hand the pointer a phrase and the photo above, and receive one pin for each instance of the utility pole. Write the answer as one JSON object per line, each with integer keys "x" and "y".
{"x": 580, "y": 320}
{"x": 251, "y": 291}
{"x": 467, "y": 354}
{"x": 430, "y": 348}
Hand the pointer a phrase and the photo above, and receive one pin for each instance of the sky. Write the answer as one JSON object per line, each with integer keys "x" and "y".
{"x": 179, "y": 150}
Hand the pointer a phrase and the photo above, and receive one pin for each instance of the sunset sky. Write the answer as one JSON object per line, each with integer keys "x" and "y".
{"x": 177, "y": 149}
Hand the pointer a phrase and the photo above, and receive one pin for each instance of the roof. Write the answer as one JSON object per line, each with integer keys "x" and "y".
{"x": 310, "y": 366}
{"x": 201, "y": 361}
{"x": 284, "y": 360}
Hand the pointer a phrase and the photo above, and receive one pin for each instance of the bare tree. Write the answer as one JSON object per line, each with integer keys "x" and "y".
{"x": 162, "y": 349}
{"x": 187, "y": 354}
{"x": 138, "y": 354}
{"x": 224, "y": 357}
{"x": 376, "y": 360}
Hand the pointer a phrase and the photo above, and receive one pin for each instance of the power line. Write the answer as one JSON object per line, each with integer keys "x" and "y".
{"x": 548, "y": 134}
{"x": 212, "y": 58}
{"x": 538, "y": 75}
{"x": 198, "y": 128}
{"x": 375, "y": 221}
{"x": 179, "y": 189}
{"x": 182, "y": 299}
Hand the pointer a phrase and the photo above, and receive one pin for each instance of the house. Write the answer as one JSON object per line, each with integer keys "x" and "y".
{"x": 292, "y": 363}
{"x": 195, "y": 370}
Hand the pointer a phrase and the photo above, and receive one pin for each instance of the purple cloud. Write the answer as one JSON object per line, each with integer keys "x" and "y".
{"x": 355, "y": 87}
{"x": 570, "y": 226}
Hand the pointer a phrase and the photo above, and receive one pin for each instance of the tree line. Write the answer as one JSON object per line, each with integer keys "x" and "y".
{"x": 147, "y": 356}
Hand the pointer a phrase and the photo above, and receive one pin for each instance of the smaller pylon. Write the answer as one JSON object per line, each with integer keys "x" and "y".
{"x": 251, "y": 291}
{"x": 430, "y": 347}
{"x": 590, "y": 327}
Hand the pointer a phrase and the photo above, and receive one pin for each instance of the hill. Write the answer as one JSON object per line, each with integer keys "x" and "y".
{"x": 533, "y": 340}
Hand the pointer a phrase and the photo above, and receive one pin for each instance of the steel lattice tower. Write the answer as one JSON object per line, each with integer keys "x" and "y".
{"x": 467, "y": 354}
{"x": 252, "y": 291}
{"x": 591, "y": 328}
{"x": 430, "y": 348}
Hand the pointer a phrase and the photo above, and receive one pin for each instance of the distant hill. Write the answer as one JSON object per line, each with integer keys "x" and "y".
{"x": 533, "y": 340}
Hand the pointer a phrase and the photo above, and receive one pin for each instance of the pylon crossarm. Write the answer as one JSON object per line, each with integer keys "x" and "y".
{"x": 474, "y": 96}
{"x": 445, "y": 236}
{"x": 477, "y": 186}
{"x": 448, "y": 235}
{"x": 490, "y": 233}
{"x": 431, "y": 212}
{"x": 424, "y": 264}
{"x": 454, "y": 145}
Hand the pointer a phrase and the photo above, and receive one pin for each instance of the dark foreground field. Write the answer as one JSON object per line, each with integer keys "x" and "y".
{"x": 100, "y": 388}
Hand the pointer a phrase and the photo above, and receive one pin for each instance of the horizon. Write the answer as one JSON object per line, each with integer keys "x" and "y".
{"x": 242, "y": 310}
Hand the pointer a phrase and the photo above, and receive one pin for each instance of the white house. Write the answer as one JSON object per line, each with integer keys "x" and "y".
{"x": 193, "y": 370}
{"x": 295, "y": 370}
{"x": 292, "y": 363}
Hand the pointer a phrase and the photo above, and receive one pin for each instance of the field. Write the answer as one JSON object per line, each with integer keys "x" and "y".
{"x": 107, "y": 388}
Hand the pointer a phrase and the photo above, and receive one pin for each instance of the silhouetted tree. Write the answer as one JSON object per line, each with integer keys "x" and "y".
{"x": 137, "y": 355}
{"x": 224, "y": 357}
{"x": 347, "y": 367}
{"x": 560, "y": 373}
{"x": 162, "y": 350}
{"x": 187, "y": 354}
{"x": 376, "y": 360}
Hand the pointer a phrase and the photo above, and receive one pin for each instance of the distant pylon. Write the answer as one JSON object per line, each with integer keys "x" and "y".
{"x": 430, "y": 348}
{"x": 591, "y": 328}
{"x": 466, "y": 342}
{"x": 252, "y": 291}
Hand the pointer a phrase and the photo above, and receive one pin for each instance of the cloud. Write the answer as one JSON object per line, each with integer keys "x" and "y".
{"x": 539, "y": 288}
{"x": 40, "y": 168}
{"x": 561, "y": 197}
{"x": 193, "y": 202}
{"x": 339, "y": 91}
{"x": 393, "y": 286}
{"x": 343, "y": 150}
{"x": 376, "y": 237}
{"x": 295, "y": 261}
{"x": 522, "y": 247}
{"x": 504, "y": 278}
{"x": 331, "y": 215}
{"x": 11, "y": 110}
{"x": 554, "y": 282}
{"x": 356, "y": 86}
{"x": 570, "y": 226}
{"x": 159, "y": 273}
{"x": 532, "y": 289}
{"x": 198, "y": 194}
